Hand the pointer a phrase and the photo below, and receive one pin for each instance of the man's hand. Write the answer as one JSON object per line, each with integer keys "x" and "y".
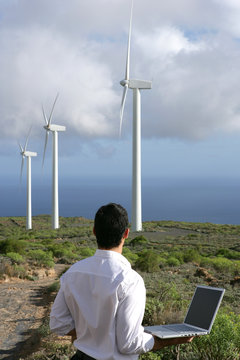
{"x": 73, "y": 335}
{"x": 161, "y": 343}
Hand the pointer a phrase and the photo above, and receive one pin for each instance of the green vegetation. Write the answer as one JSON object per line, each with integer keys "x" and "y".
{"x": 222, "y": 344}
{"x": 172, "y": 257}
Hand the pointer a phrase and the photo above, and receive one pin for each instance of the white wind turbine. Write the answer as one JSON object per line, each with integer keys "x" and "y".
{"x": 28, "y": 154}
{"x": 136, "y": 86}
{"x": 54, "y": 129}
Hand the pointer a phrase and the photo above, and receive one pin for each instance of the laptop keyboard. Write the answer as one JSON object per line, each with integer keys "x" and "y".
{"x": 179, "y": 327}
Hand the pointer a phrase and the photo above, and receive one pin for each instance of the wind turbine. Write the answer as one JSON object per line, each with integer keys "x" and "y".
{"x": 28, "y": 154}
{"x": 136, "y": 85}
{"x": 54, "y": 129}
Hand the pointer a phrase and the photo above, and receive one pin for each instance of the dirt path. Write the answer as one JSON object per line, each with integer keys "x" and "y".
{"x": 23, "y": 305}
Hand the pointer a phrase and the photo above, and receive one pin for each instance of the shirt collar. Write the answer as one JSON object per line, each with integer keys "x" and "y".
{"x": 113, "y": 255}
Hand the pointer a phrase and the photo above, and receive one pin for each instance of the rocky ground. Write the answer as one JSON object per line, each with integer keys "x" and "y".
{"x": 23, "y": 306}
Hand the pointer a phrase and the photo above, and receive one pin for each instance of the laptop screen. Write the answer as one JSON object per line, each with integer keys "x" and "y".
{"x": 203, "y": 307}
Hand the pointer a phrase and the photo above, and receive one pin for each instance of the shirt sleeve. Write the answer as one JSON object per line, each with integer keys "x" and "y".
{"x": 131, "y": 338}
{"x": 61, "y": 321}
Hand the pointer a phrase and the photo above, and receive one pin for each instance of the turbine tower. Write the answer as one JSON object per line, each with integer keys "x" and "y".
{"x": 28, "y": 154}
{"x": 136, "y": 85}
{"x": 54, "y": 129}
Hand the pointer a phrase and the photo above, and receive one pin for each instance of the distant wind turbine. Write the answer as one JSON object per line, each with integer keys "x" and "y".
{"x": 54, "y": 129}
{"x": 28, "y": 154}
{"x": 136, "y": 86}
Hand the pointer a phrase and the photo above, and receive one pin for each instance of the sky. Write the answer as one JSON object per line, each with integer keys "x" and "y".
{"x": 189, "y": 49}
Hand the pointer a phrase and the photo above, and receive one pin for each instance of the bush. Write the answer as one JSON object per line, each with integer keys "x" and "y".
{"x": 192, "y": 255}
{"x": 42, "y": 257}
{"x": 138, "y": 240}
{"x": 172, "y": 261}
{"x": 223, "y": 342}
{"x": 147, "y": 261}
{"x": 229, "y": 254}
{"x": 19, "y": 271}
{"x": 54, "y": 287}
{"x": 178, "y": 255}
{"x": 153, "y": 308}
{"x": 164, "y": 305}
{"x": 17, "y": 258}
{"x": 64, "y": 251}
{"x": 12, "y": 245}
{"x": 87, "y": 252}
{"x": 151, "y": 356}
{"x": 130, "y": 256}
{"x": 221, "y": 264}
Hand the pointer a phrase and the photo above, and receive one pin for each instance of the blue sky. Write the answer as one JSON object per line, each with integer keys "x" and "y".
{"x": 190, "y": 118}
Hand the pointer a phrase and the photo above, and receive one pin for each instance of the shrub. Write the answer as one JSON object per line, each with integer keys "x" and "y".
{"x": 131, "y": 257}
{"x": 87, "y": 252}
{"x": 229, "y": 254}
{"x": 42, "y": 257}
{"x": 172, "y": 261}
{"x": 220, "y": 264}
{"x": 12, "y": 245}
{"x": 151, "y": 356}
{"x": 153, "y": 308}
{"x": 17, "y": 258}
{"x": 178, "y": 255}
{"x": 223, "y": 342}
{"x": 165, "y": 305}
{"x": 19, "y": 271}
{"x": 147, "y": 261}
{"x": 62, "y": 249}
{"x": 138, "y": 240}
{"x": 192, "y": 255}
{"x": 54, "y": 287}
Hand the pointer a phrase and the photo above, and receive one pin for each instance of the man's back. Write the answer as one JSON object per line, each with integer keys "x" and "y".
{"x": 102, "y": 293}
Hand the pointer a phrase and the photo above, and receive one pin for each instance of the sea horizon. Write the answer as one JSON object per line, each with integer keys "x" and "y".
{"x": 214, "y": 200}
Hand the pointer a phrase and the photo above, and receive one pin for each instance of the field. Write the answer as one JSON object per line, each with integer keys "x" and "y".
{"x": 172, "y": 257}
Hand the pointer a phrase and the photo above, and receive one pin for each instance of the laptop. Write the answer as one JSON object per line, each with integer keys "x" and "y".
{"x": 199, "y": 318}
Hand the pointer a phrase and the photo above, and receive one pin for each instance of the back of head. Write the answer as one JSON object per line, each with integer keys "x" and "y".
{"x": 110, "y": 223}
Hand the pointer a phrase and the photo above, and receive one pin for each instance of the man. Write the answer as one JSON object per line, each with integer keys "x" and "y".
{"x": 101, "y": 300}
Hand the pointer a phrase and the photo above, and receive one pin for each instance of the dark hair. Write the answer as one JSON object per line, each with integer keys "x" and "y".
{"x": 110, "y": 223}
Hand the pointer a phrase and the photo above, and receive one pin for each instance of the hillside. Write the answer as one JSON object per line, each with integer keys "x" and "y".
{"x": 172, "y": 257}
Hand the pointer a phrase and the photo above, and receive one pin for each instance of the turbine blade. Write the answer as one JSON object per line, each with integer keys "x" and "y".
{"x": 22, "y": 164}
{"x": 26, "y": 143}
{"x": 20, "y": 146}
{"x": 44, "y": 115}
{"x": 122, "y": 107}
{"x": 50, "y": 117}
{"x": 129, "y": 46}
{"x": 45, "y": 146}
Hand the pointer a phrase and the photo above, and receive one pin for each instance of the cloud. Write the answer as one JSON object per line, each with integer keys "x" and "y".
{"x": 189, "y": 50}
{"x": 40, "y": 63}
{"x": 195, "y": 84}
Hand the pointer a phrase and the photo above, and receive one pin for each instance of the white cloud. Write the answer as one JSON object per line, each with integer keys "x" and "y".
{"x": 40, "y": 63}
{"x": 78, "y": 48}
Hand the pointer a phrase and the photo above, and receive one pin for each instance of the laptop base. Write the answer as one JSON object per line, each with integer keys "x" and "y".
{"x": 165, "y": 332}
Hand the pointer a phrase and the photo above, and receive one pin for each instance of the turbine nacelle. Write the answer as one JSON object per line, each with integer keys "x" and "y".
{"x": 140, "y": 84}
{"x": 50, "y": 127}
{"x": 29, "y": 154}
{"x": 53, "y": 127}
{"x": 136, "y": 84}
{"x": 25, "y": 153}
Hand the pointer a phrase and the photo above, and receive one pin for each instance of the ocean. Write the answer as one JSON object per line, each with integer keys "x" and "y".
{"x": 196, "y": 200}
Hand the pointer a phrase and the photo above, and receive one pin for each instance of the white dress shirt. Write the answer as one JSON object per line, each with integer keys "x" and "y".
{"x": 103, "y": 298}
